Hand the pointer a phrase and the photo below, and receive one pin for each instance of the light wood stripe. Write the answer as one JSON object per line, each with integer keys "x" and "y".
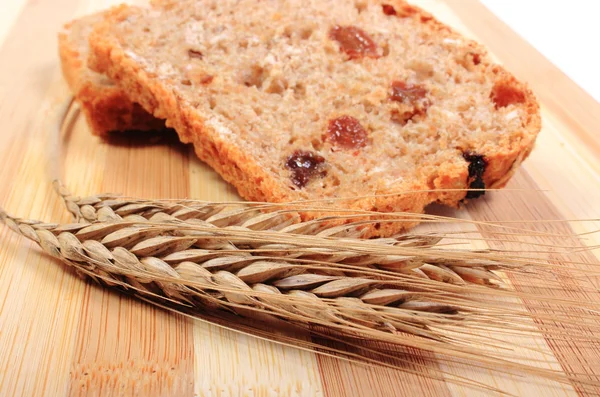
{"x": 10, "y": 10}
{"x": 571, "y": 185}
{"x": 123, "y": 345}
{"x": 234, "y": 364}
{"x": 39, "y": 298}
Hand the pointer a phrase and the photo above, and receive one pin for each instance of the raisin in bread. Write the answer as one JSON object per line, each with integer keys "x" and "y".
{"x": 106, "y": 107}
{"x": 294, "y": 100}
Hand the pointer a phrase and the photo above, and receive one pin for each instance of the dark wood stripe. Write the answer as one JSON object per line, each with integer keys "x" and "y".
{"x": 573, "y": 355}
{"x": 417, "y": 378}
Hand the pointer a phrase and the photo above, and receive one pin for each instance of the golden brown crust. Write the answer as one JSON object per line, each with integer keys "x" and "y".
{"x": 106, "y": 107}
{"x": 254, "y": 183}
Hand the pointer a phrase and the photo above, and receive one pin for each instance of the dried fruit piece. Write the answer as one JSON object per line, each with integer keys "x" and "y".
{"x": 354, "y": 41}
{"x": 305, "y": 166}
{"x": 506, "y": 93}
{"x": 207, "y": 79}
{"x": 477, "y": 165}
{"x": 346, "y": 132}
{"x": 388, "y": 9}
{"x": 412, "y": 101}
{"x": 407, "y": 93}
{"x": 195, "y": 54}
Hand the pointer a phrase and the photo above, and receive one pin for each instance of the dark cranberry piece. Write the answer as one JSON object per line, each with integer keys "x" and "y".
{"x": 407, "y": 93}
{"x": 505, "y": 93}
{"x": 207, "y": 79}
{"x": 346, "y": 132}
{"x": 477, "y": 166}
{"x": 354, "y": 41}
{"x": 388, "y": 9}
{"x": 305, "y": 166}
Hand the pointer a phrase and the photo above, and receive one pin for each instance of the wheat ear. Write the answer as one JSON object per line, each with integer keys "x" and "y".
{"x": 255, "y": 229}
{"x": 141, "y": 253}
{"x": 111, "y": 208}
{"x": 154, "y": 261}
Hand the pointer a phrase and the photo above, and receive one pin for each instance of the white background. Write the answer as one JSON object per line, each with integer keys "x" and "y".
{"x": 566, "y": 32}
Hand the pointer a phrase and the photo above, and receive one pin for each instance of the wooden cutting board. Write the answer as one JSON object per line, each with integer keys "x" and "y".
{"x": 60, "y": 335}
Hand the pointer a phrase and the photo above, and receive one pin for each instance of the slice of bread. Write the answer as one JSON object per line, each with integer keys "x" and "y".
{"x": 106, "y": 107}
{"x": 310, "y": 100}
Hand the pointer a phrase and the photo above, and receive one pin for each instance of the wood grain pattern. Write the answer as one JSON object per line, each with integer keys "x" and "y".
{"x": 572, "y": 355}
{"x": 346, "y": 379}
{"x": 128, "y": 347}
{"x": 60, "y": 335}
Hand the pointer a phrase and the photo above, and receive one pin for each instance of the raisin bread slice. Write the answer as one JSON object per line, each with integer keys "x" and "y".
{"x": 106, "y": 107}
{"x": 310, "y": 100}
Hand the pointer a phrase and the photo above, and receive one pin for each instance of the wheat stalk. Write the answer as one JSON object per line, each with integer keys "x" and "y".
{"x": 417, "y": 257}
{"x": 196, "y": 268}
{"x": 200, "y": 258}
{"x": 154, "y": 258}
{"x": 248, "y": 229}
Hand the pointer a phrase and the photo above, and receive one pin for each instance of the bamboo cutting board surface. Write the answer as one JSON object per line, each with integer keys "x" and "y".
{"x": 60, "y": 335}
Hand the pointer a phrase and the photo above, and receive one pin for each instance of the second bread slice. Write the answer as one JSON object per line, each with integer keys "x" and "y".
{"x": 106, "y": 106}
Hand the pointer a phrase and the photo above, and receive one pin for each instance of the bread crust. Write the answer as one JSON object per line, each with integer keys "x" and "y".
{"x": 447, "y": 185}
{"x": 107, "y": 108}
